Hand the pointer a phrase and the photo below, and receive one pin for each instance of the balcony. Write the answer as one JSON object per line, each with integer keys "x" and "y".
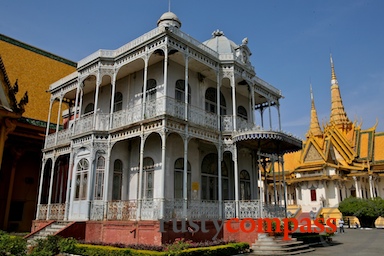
{"x": 154, "y": 209}
{"x": 245, "y": 131}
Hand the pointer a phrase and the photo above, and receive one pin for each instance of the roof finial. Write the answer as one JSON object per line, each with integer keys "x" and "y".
{"x": 169, "y": 5}
{"x": 314, "y": 127}
{"x": 338, "y": 114}
{"x": 333, "y": 79}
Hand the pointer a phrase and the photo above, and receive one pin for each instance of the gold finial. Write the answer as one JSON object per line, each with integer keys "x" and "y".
{"x": 338, "y": 115}
{"x": 314, "y": 127}
{"x": 333, "y": 79}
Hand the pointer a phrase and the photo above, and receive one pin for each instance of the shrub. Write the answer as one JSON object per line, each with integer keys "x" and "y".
{"x": 177, "y": 246}
{"x": 12, "y": 245}
{"x": 67, "y": 244}
{"x": 46, "y": 247}
{"x": 366, "y": 210}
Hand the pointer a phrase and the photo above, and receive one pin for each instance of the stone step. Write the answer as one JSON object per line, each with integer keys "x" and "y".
{"x": 278, "y": 248}
{"x": 276, "y": 253}
{"x": 279, "y": 243}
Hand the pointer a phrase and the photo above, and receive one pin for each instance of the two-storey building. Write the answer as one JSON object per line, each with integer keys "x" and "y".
{"x": 164, "y": 127}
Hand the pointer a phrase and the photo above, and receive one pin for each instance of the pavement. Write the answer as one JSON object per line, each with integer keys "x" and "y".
{"x": 367, "y": 242}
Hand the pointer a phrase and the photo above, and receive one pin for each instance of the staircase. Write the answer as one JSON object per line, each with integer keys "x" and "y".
{"x": 303, "y": 215}
{"x": 47, "y": 231}
{"x": 268, "y": 245}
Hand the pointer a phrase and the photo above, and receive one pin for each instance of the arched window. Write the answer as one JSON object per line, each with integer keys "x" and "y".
{"x": 242, "y": 112}
{"x": 89, "y": 108}
{"x": 118, "y": 102}
{"x": 178, "y": 179}
{"x": 180, "y": 91}
{"x": 99, "y": 178}
{"x": 81, "y": 179}
{"x": 245, "y": 185}
{"x": 117, "y": 179}
{"x": 151, "y": 89}
{"x": 211, "y": 101}
{"x": 148, "y": 177}
{"x": 209, "y": 178}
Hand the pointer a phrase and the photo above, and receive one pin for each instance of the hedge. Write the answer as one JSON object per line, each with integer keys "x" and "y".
{"x": 220, "y": 250}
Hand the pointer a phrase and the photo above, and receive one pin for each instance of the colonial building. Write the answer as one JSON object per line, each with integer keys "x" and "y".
{"x": 24, "y": 68}
{"x": 164, "y": 127}
{"x": 338, "y": 160}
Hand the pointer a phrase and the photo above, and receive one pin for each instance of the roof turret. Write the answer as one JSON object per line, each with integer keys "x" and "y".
{"x": 169, "y": 19}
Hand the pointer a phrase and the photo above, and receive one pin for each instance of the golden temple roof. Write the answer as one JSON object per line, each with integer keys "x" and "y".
{"x": 338, "y": 115}
{"x": 314, "y": 127}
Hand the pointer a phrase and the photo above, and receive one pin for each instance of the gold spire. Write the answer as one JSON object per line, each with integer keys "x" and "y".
{"x": 314, "y": 127}
{"x": 338, "y": 115}
{"x": 333, "y": 79}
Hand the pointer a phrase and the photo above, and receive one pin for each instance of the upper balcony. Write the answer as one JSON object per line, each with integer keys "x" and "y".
{"x": 100, "y": 122}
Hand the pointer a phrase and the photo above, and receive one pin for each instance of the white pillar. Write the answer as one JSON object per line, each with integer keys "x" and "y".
{"x": 162, "y": 173}
{"x": 185, "y": 175}
{"x": 48, "y": 121}
{"x": 270, "y": 115}
{"x": 252, "y": 105}
{"x": 50, "y": 187}
{"x": 165, "y": 71}
{"x": 186, "y": 89}
{"x": 58, "y": 119}
{"x": 113, "y": 84}
{"x": 76, "y": 108}
{"x": 234, "y": 112}
{"x": 106, "y": 181}
{"x": 236, "y": 172}
{"x": 40, "y": 187}
{"x": 370, "y": 186}
{"x": 145, "y": 84}
{"x": 98, "y": 83}
{"x": 68, "y": 192}
{"x": 140, "y": 192}
{"x": 220, "y": 185}
{"x": 357, "y": 187}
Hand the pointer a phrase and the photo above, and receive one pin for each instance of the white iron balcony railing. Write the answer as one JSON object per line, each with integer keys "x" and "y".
{"x": 241, "y": 124}
{"x": 153, "y": 108}
{"x": 163, "y": 106}
{"x": 63, "y": 137}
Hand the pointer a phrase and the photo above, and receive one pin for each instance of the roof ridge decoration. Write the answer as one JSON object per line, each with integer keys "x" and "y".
{"x": 314, "y": 127}
{"x": 11, "y": 92}
{"x": 338, "y": 114}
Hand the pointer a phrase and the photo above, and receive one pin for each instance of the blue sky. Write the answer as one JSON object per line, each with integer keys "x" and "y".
{"x": 290, "y": 40}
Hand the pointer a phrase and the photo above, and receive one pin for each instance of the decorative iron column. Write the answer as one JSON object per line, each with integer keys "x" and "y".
{"x": 98, "y": 83}
{"x": 68, "y": 192}
{"x": 40, "y": 186}
{"x": 58, "y": 118}
{"x": 50, "y": 187}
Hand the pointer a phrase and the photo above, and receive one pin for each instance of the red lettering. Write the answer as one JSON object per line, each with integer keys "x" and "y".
{"x": 268, "y": 222}
{"x": 243, "y": 225}
{"x": 229, "y": 227}
{"x": 308, "y": 225}
{"x": 287, "y": 229}
{"x": 331, "y": 223}
{"x": 319, "y": 224}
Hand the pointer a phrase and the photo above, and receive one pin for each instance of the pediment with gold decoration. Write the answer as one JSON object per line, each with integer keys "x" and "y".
{"x": 312, "y": 152}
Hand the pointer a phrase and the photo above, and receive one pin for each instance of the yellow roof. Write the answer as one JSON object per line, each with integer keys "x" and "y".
{"x": 35, "y": 70}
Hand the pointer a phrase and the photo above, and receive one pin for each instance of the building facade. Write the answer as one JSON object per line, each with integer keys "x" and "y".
{"x": 164, "y": 127}
{"x": 338, "y": 160}
{"x": 24, "y": 68}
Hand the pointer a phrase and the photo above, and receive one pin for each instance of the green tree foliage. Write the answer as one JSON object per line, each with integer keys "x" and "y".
{"x": 12, "y": 245}
{"x": 366, "y": 210}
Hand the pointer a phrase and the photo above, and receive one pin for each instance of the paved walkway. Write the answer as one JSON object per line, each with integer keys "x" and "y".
{"x": 367, "y": 242}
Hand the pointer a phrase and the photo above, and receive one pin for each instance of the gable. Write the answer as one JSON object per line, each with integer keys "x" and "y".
{"x": 312, "y": 154}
